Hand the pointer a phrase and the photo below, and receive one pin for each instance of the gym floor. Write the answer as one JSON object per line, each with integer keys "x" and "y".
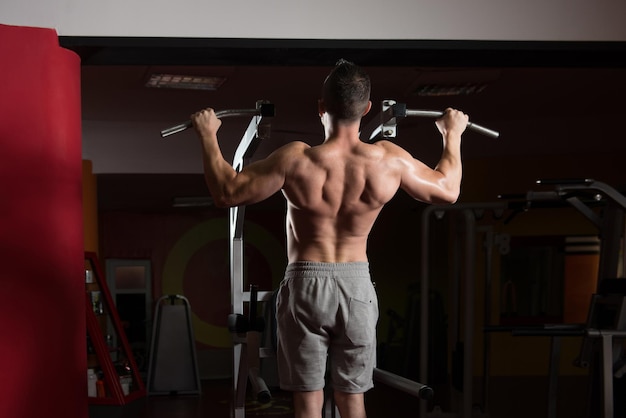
{"x": 215, "y": 402}
{"x": 508, "y": 398}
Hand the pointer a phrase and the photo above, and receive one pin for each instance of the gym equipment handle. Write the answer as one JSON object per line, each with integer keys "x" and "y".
{"x": 392, "y": 111}
{"x": 264, "y": 110}
{"x": 438, "y": 114}
{"x": 416, "y": 389}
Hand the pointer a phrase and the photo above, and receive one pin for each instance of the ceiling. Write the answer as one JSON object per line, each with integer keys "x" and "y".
{"x": 542, "y": 100}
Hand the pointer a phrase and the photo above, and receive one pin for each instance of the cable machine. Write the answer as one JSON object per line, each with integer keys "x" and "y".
{"x": 602, "y": 349}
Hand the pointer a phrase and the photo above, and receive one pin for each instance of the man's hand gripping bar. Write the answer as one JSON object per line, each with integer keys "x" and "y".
{"x": 262, "y": 109}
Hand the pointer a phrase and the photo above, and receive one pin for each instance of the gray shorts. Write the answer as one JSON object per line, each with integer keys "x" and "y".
{"x": 326, "y": 311}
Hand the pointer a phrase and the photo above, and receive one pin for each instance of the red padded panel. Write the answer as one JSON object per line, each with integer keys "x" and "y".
{"x": 42, "y": 320}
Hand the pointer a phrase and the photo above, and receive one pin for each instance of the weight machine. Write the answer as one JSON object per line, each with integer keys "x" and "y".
{"x": 239, "y": 325}
{"x": 469, "y": 213}
{"x": 602, "y": 349}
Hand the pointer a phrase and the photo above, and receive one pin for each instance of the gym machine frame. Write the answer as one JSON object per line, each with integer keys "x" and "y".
{"x": 241, "y": 368}
{"x": 237, "y": 323}
{"x": 470, "y": 212}
{"x": 611, "y": 228}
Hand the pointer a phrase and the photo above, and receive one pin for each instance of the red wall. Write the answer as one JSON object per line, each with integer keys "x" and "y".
{"x": 42, "y": 319}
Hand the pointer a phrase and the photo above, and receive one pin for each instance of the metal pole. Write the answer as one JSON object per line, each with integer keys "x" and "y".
{"x": 607, "y": 374}
{"x": 553, "y": 374}
{"x": 468, "y": 350}
{"x": 416, "y": 389}
{"x": 468, "y": 210}
{"x": 262, "y": 109}
{"x": 470, "y": 125}
{"x": 423, "y": 352}
{"x": 488, "y": 247}
{"x": 236, "y": 257}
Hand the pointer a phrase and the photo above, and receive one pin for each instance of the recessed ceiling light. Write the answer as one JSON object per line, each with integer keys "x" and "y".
{"x": 448, "y": 90}
{"x": 457, "y": 82}
{"x": 187, "y": 82}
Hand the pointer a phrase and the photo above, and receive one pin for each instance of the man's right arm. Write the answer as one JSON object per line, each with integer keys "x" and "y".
{"x": 451, "y": 126}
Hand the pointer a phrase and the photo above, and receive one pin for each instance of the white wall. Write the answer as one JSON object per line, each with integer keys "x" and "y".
{"x": 525, "y": 20}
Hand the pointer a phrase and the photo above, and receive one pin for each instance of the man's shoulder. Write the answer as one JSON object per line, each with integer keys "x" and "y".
{"x": 290, "y": 149}
{"x": 384, "y": 143}
{"x": 390, "y": 148}
{"x": 295, "y": 146}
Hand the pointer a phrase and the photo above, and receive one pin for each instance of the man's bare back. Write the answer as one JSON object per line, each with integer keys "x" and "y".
{"x": 335, "y": 190}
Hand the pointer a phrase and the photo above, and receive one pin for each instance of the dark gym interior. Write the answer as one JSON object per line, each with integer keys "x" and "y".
{"x": 521, "y": 280}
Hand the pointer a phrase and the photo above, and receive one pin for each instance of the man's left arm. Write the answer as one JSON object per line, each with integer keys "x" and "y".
{"x": 253, "y": 183}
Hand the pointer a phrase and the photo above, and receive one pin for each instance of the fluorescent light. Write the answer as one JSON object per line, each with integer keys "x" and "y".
{"x": 188, "y": 82}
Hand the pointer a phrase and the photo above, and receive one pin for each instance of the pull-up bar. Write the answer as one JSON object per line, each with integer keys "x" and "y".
{"x": 262, "y": 109}
{"x": 385, "y": 125}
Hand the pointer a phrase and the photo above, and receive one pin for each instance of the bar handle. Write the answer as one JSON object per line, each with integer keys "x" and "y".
{"x": 176, "y": 129}
{"x": 438, "y": 114}
{"x": 411, "y": 387}
{"x": 264, "y": 109}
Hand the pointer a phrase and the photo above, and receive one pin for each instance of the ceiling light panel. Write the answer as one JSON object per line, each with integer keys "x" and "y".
{"x": 185, "y": 82}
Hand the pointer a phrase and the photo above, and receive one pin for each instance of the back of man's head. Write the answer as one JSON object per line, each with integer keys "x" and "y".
{"x": 346, "y": 91}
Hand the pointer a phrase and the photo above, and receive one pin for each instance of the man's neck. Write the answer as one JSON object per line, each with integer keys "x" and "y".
{"x": 343, "y": 131}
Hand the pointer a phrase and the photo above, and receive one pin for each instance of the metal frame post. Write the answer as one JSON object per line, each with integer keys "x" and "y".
{"x": 469, "y": 215}
{"x": 236, "y": 245}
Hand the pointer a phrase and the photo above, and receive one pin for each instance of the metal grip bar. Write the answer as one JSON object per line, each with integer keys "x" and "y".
{"x": 438, "y": 114}
{"x": 385, "y": 124}
{"x": 264, "y": 110}
{"x": 403, "y": 384}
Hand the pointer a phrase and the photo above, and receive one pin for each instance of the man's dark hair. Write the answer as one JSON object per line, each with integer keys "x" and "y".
{"x": 346, "y": 91}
